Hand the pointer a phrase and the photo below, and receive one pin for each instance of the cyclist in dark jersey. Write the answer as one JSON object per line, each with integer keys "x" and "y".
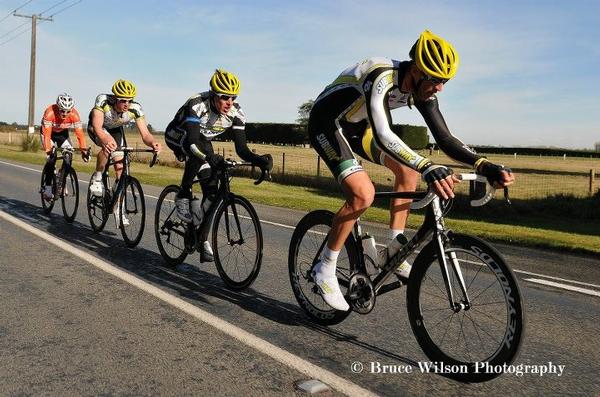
{"x": 203, "y": 117}
{"x": 352, "y": 115}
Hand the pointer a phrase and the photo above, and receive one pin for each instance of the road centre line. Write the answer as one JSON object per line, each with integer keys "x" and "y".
{"x": 563, "y": 286}
{"x": 381, "y": 245}
{"x": 250, "y": 340}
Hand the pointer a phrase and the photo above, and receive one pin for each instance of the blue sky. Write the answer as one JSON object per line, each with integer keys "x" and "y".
{"x": 529, "y": 69}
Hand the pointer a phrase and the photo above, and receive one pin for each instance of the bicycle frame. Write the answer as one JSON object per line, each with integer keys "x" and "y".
{"x": 433, "y": 225}
{"x": 125, "y": 172}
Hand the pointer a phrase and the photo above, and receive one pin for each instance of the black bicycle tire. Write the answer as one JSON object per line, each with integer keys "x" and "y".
{"x": 515, "y": 327}
{"x": 171, "y": 261}
{"x": 131, "y": 242}
{"x": 255, "y": 270}
{"x": 310, "y": 220}
{"x": 97, "y": 228}
{"x": 47, "y": 205}
{"x": 70, "y": 217}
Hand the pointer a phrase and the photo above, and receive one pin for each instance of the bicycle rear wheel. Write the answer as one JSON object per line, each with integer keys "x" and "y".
{"x": 69, "y": 195}
{"x": 169, "y": 230}
{"x": 306, "y": 246}
{"x": 237, "y": 242}
{"x": 47, "y": 205}
{"x": 133, "y": 212}
{"x": 486, "y": 328}
{"x": 97, "y": 208}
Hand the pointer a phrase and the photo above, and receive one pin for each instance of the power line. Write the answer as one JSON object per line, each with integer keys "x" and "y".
{"x": 17, "y": 35}
{"x": 10, "y": 31}
{"x": 55, "y": 5}
{"x": 16, "y": 9}
{"x": 41, "y": 21}
{"x": 65, "y": 8}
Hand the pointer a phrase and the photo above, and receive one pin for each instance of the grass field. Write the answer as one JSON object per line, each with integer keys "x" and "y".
{"x": 543, "y": 230}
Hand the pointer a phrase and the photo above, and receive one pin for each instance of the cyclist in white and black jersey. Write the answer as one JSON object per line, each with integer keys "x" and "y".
{"x": 105, "y": 127}
{"x": 352, "y": 115}
{"x": 203, "y": 117}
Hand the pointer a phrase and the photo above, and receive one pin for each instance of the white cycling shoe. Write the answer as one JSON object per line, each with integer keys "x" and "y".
{"x": 117, "y": 215}
{"x": 96, "y": 188}
{"x": 403, "y": 270}
{"x": 48, "y": 195}
{"x": 329, "y": 288}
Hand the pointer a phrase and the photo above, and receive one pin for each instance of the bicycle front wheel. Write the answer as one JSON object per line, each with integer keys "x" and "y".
{"x": 237, "y": 242}
{"x": 97, "y": 208}
{"x": 169, "y": 230}
{"x": 484, "y": 330}
{"x": 306, "y": 246}
{"x": 47, "y": 204}
{"x": 69, "y": 195}
{"x": 133, "y": 212}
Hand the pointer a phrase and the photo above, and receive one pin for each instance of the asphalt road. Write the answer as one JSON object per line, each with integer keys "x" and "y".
{"x": 104, "y": 319}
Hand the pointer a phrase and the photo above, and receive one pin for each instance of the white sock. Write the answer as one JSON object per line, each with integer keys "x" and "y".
{"x": 393, "y": 233}
{"x": 329, "y": 261}
{"x": 97, "y": 176}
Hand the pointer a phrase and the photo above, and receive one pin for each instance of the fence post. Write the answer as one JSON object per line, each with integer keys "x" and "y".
{"x": 283, "y": 166}
{"x": 592, "y": 190}
{"x": 318, "y": 166}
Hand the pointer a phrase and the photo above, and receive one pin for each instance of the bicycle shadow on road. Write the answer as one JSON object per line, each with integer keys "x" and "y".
{"x": 194, "y": 284}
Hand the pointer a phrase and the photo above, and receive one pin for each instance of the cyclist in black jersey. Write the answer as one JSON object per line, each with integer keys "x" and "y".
{"x": 352, "y": 115}
{"x": 203, "y": 117}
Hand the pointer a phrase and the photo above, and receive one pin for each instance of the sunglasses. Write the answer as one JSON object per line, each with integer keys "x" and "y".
{"x": 435, "y": 80}
{"x": 119, "y": 100}
{"x": 65, "y": 112}
{"x": 227, "y": 97}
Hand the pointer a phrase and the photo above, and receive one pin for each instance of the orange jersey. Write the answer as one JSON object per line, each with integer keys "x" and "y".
{"x": 53, "y": 122}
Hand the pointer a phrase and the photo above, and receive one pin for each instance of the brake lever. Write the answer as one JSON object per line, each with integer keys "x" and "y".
{"x": 506, "y": 195}
{"x": 154, "y": 159}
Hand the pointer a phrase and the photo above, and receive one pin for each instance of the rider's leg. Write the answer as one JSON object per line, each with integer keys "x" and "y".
{"x": 406, "y": 180}
{"x": 209, "y": 195}
{"x": 359, "y": 192}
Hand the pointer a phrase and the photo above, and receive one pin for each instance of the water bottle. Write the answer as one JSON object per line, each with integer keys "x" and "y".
{"x": 196, "y": 209}
{"x": 392, "y": 249}
{"x": 370, "y": 254}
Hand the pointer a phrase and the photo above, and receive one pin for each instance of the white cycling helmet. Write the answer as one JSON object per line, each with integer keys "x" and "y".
{"x": 65, "y": 102}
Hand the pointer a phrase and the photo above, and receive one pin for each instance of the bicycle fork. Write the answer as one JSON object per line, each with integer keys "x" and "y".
{"x": 441, "y": 238}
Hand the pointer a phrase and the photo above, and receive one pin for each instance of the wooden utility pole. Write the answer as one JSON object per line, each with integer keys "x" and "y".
{"x": 34, "y": 19}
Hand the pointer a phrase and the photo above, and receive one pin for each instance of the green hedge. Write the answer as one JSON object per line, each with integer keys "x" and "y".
{"x": 294, "y": 134}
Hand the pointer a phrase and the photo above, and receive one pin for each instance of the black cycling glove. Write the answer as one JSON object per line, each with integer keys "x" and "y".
{"x": 493, "y": 172}
{"x": 215, "y": 160}
{"x": 265, "y": 162}
{"x": 435, "y": 172}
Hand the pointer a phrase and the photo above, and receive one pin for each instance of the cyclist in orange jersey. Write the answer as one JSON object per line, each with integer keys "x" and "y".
{"x": 57, "y": 120}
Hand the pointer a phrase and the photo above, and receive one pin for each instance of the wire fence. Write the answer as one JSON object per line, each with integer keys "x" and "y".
{"x": 537, "y": 177}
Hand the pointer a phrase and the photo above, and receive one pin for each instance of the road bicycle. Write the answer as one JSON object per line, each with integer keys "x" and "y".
{"x": 237, "y": 238}
{"x": 464, "y": 304}
{"x": 65, "y": 185}
{"x": 124, "y": 199}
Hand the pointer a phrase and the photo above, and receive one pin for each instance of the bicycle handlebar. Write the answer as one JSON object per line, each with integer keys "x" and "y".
{"x": 264, "y": 174}
{"x": 489, "y": 192}
{"x": 120, "y": 151}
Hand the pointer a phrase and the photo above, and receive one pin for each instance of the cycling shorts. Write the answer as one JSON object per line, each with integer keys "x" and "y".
{"x": 60, "y": 138}
{"x": 337, "y": 140}
{"x": 117, "y": 133}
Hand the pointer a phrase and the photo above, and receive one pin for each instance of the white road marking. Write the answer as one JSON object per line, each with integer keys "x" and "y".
{"x": 284, "y": 357}
{"x": 378, "y": 244}
{"x": 563, "y": 286}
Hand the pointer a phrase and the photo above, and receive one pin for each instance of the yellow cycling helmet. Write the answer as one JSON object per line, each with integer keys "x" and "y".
{"x": 434, "y": 56}
{"x": 223, "y": 82}
{"x": 124, "y": 89}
